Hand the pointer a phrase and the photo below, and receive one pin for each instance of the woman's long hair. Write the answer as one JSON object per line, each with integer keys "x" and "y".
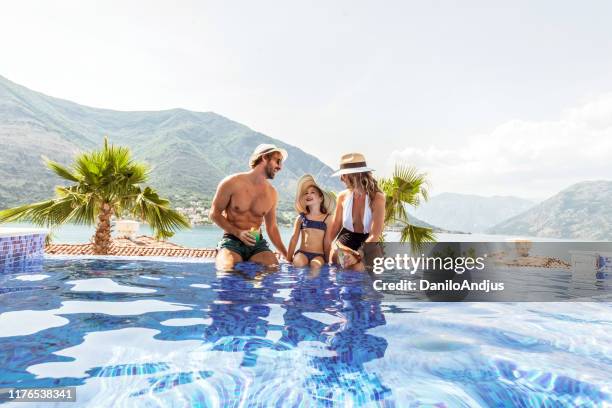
{"x": 363, "y": 181}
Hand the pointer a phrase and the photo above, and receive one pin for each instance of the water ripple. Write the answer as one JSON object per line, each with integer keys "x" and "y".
{"x": 175, "y": 334}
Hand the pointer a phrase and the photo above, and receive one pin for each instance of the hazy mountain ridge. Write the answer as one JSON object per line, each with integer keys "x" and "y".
{"x": 190, "y": 152}
{"x": 581, "y": 211}
{"x": 468, "y": 212}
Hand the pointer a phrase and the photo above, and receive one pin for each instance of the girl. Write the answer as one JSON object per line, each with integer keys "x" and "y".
{"x": 314, "y": 206}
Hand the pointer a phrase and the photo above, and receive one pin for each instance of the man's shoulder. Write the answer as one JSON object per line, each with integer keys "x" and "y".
{"x": 239, "y": 180}
{"x": 234, "y": 178}
{"x": 270, "y": 191}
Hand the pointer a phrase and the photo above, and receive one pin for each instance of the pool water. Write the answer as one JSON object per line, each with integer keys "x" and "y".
{"x": 143, "y": 333}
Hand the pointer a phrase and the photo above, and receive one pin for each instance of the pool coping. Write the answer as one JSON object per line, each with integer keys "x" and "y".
{"x": 177, "y": 259}
{"x": 19, "y": 232}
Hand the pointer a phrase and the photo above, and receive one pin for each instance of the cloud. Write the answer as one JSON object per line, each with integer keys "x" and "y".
{"x": 534, "y": 159}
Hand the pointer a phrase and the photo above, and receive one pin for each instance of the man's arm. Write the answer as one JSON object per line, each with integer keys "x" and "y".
{"x": 272, "y": 228}
{"x": 219, "y": 204}
{"x": 294, "y": 239}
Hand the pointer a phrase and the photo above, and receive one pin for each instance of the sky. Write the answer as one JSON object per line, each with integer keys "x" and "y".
{"x": 486, "y": 97}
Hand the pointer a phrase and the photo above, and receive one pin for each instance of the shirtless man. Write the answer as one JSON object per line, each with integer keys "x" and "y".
{"x": 241, "y": 203}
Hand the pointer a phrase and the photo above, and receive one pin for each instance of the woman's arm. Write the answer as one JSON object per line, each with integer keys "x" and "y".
{"x": 327, "y": 239}
{"x": 294, "y": 239}
{"x": 378, "y": 218}
{"x": 336, "y": 223}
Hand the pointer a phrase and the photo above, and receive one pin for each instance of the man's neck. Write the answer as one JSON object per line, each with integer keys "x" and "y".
{"x": 258, "y": 175}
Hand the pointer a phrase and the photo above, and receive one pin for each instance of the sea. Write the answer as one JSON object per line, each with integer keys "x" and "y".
{"x": 207, "y": 236}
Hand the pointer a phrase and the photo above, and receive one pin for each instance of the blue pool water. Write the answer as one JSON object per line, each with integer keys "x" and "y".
{"x": 142, "y": 333}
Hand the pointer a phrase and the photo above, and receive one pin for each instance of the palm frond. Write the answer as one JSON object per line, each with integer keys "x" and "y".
{"x": 60, "y": 170}
{"x": 407, "y": 186}
{"x": 157, "y": 213}
{"x": 417, "y": 236}
{"x": 136, "y": 173}
{"x": 410, "y": 185}
{"x": 48, "y": 213}
{"x": 87, "y": 167}
{"x": 21, "y": 213}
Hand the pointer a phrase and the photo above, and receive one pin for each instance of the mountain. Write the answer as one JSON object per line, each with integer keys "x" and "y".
{"x": 469, "y": 213}
{"x": 420, "y": 223}
{"x": 189, "y": 152}
{"x": 581, "y": 211}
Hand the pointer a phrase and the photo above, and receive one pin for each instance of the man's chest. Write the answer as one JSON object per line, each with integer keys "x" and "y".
{"x": 257, "y": 201}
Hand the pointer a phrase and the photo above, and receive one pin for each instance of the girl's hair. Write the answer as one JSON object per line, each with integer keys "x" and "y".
{"x": 322, "y": 208}
{"x": 364, "y": 181}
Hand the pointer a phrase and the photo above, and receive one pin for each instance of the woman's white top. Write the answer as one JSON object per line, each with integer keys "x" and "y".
{"x": 347, "y": 214}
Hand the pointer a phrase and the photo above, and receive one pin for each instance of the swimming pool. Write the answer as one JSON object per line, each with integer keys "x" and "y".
{"x": 142, "y": 333}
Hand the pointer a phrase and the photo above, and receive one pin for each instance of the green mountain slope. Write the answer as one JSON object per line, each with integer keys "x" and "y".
{"x": 189, "y": 152}
{"x": 582, "y": 211}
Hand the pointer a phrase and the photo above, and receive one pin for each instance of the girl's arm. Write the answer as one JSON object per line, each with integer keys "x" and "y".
{"x": 294, "y": 239}
{"x": 378, "y": 218}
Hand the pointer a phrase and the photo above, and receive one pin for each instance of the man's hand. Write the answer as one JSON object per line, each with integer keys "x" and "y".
{"x": 246, "y": 237}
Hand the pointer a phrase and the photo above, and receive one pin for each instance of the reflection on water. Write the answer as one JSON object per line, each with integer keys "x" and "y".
{"x": 149, "y": 333}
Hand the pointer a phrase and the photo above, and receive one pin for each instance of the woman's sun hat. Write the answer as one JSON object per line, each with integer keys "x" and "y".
{"x": 352, "y": 163}
{"x": 329, "y": 201}
{"x": 266, "y": 148}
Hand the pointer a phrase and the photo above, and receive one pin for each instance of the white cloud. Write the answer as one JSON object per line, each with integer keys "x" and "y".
{"x": 533, "y": 159}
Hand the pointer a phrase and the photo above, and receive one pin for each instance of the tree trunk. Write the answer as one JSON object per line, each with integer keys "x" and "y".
{"x": 102, "y": 237}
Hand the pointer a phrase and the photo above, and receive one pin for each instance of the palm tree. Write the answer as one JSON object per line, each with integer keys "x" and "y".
{"x": 406, "y": 187}
{"x": 105, "y": 182}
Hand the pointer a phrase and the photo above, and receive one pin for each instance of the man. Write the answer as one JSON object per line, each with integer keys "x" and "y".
{"x": 241, "y": 202}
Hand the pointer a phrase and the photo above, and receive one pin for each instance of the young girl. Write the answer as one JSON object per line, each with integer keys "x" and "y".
{"x": 315, "y": 207}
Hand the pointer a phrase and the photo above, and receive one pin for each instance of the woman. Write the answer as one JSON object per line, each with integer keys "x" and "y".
{"x": 360, "y": 212}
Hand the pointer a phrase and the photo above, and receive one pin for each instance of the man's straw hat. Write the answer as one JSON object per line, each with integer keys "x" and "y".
{"x": 352, "y": 163}
{"x": 266, "y": 148}
{"x": 329, "y": 201}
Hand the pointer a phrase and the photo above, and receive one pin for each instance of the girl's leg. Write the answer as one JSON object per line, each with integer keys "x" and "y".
{"x": 317, "y": 262}
{"x": 300, "y": 260}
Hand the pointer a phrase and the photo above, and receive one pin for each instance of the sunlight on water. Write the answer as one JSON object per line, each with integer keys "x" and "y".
{"x": 104, "y": 285}
{"x": 31, "y": 278}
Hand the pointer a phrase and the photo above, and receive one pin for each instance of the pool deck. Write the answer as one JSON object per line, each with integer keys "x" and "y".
{"x": 139, "y": 246}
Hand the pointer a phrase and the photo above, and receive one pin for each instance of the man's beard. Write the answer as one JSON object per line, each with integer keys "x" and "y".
{"x": 270, "y": 172}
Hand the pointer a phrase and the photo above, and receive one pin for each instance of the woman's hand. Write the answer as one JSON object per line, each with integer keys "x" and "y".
{"x": 349, "y": 260}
